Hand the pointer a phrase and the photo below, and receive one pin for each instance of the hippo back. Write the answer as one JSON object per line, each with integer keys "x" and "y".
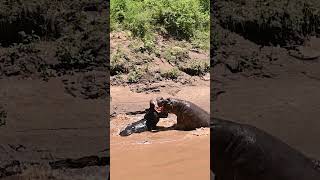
{"x": 190, "y": 111}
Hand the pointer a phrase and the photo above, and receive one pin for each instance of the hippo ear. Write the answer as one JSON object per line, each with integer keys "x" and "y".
{"x": 152, "y": 104}
{"x": 169, "y": 102}
{"x": 161, "y": 101}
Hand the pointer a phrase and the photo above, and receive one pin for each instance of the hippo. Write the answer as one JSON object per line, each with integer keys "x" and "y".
{"x": 136, "y": 127}
{"x": 189, "y": 115}
{"x": 244, "y": 152}
{"x": 148, "y": 123}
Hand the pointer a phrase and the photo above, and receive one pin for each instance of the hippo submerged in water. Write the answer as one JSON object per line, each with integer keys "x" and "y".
{"x": 148, "y": 123}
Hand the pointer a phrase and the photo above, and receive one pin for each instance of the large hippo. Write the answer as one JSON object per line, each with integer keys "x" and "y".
{"x": 189, "y": 115}
{"x": 148, "y": 123}
{"x": 243, "y": 152}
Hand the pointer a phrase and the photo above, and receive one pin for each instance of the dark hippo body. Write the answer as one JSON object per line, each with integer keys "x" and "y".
{"x": 148, "y": 123}
{"x": 136, "y": 127}
{"x": 152, "y": 117}
{"x": 189, "y": 115}
{"x": 243, "y": 152}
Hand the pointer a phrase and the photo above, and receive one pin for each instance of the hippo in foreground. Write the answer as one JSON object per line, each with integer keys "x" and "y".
{"x": 189, "y": 115}
{"x": 148, "y": 123}
{"x": 244, "y": 152}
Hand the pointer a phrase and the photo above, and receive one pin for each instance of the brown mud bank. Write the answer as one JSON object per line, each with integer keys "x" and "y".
{"x": 124, "y": 99}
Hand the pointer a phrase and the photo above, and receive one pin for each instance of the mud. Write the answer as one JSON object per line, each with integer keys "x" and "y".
{"x": 284, "y": 104}
{"x": 53, "y": 89}
{"x": 154, "y": 153}
{"x": 161, "y": 154}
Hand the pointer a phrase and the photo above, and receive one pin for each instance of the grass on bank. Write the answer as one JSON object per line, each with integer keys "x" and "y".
{"x": 180, "y": 19}
{"x": 186, "y": 22}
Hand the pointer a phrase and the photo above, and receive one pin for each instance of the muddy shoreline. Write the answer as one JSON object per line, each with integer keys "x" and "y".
{"x": 154, "y": 152}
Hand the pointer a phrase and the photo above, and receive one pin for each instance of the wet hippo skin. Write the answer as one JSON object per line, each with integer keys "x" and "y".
{"x": 148, "y": 123}
{"x": 243, "y": 152}
{"x": 189, "y": 115}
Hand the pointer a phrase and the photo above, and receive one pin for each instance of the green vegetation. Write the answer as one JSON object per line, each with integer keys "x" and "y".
{"x": 176, "y": 55}
{"x": 118, "y": 63}
{"x": 181, "y": 19}
{"x": 196, "y": 67}
{"x": 173, "y": 73}
{"x": 135, "y": 76}
{"x": 158, "y": 30}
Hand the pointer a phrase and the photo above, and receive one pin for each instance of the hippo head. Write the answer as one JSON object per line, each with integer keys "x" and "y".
{"x": 153, "y": 104}
{"x": 135, "y": 127}
{"x": 127, "y": 131}
{"x": 164, "y": 105}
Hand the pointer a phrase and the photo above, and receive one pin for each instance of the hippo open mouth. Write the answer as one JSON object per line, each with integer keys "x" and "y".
{"x": 161, "y": 104}
{"x": 159, "y": 109}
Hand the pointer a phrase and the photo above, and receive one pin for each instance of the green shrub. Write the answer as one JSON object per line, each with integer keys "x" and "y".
{"x": 131, "y": 15}
{"x": 137, "y": 46}
{"x": 179, "y": 18}
{"x": 176, "y": 55}
{"x": 173, "y": 73}
{"x": 117, "y": 10}
{"x": 118, "y": 63}
{"x": 205, "y": 5}
{"x": 135, "y": 76}
{"x": 149, "y": 43}
{"x": 201, "y": 40}
{"x": 196, "y": 67}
